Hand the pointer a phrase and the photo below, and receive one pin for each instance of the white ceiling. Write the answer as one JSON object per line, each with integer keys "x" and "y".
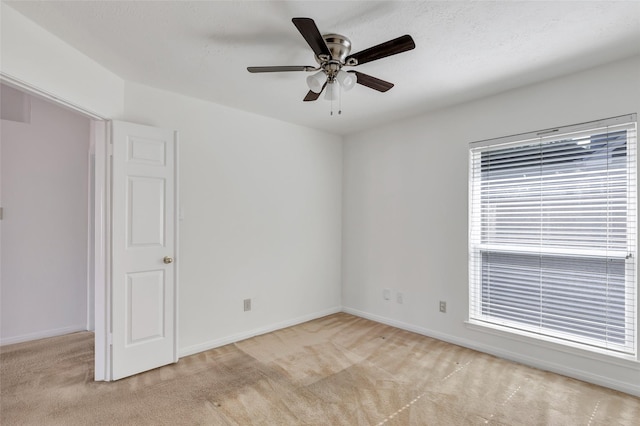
{"x": 464, "y": 50}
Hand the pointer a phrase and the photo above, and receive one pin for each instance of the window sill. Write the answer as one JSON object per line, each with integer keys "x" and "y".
{"x": 622, "y": 360}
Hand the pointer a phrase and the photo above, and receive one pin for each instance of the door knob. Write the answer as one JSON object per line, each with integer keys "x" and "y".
{"x": 167, "y": 260}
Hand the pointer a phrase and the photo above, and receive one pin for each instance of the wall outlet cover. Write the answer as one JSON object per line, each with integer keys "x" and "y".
{"x": 386, "y": 293}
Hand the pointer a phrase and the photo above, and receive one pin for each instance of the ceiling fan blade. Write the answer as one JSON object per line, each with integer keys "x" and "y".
{"x": 281, "y": 68}
{"x": 372, "y": 82}
{"x": 312, "y": 35}
{"x": 391, "y": 47}
{"x": 312, "y": 96}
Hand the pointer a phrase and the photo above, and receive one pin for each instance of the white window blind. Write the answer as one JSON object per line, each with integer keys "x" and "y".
{"x": 552, "y": 238}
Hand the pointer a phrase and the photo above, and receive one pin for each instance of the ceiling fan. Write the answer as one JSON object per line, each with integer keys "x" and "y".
{"x": 332, "y": 53}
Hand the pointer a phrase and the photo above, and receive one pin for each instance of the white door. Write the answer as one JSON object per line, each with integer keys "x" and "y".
{"x": 143, "y": 247}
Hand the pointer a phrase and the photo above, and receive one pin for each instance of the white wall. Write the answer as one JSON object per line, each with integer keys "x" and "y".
{"x": 43, "y": 290}
{"x": 32, "y": 55}
{"x": 261, "y": 206}
{"x": 405, "y": 211}
{"x": 261, "y": 198}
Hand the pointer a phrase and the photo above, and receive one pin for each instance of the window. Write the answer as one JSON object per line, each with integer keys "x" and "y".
{"x": 552, "y": 234}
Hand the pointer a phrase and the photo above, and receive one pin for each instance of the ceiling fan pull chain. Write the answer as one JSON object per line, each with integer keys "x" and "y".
{"x": 339, "y": 99}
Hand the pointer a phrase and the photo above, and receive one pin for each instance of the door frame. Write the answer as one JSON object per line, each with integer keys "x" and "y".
{"x": 99, "y": 238}
{"x": 101, "y": 244}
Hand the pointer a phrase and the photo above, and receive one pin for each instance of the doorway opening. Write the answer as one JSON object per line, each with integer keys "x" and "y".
{"x": 86, "y": 223}
{"x": 46, "y": 232}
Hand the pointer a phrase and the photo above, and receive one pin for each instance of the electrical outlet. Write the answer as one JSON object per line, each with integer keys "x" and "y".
{"x": 247, "y": 305}
{"x": 386, "y": 294}
{"x": 399, "y": 298}
{"x": 443, "y": 306}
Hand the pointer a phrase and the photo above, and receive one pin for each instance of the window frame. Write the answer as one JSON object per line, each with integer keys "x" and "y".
{"x": 476, "y": 246}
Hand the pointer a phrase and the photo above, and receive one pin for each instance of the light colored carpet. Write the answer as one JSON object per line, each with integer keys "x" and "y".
{"x": 337, "y": 370}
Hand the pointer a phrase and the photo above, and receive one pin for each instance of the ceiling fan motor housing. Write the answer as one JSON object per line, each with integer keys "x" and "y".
{"x": 339, "y": 46}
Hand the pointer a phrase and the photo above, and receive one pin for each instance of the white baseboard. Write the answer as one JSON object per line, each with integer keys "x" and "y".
{"x": 630, "y": 388}
{"x": 42, "y": 334}
{"x": 194, "y": 349}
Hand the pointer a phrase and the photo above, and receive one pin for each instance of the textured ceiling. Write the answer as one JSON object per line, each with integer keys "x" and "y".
{"x": 464, "y": 50}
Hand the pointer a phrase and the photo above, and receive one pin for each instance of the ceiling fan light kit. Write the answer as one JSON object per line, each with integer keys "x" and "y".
{"x": 347, "y": 80}
{"x": 316, "y": 81}
{"x": 332, "y": 52}
{"x": 333, "y": 91}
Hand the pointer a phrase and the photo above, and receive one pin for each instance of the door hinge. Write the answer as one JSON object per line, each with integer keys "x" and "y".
{"x": 1, "y": 212}
{"x": 110, "y": 150}
{"x": 110, "y": 339}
